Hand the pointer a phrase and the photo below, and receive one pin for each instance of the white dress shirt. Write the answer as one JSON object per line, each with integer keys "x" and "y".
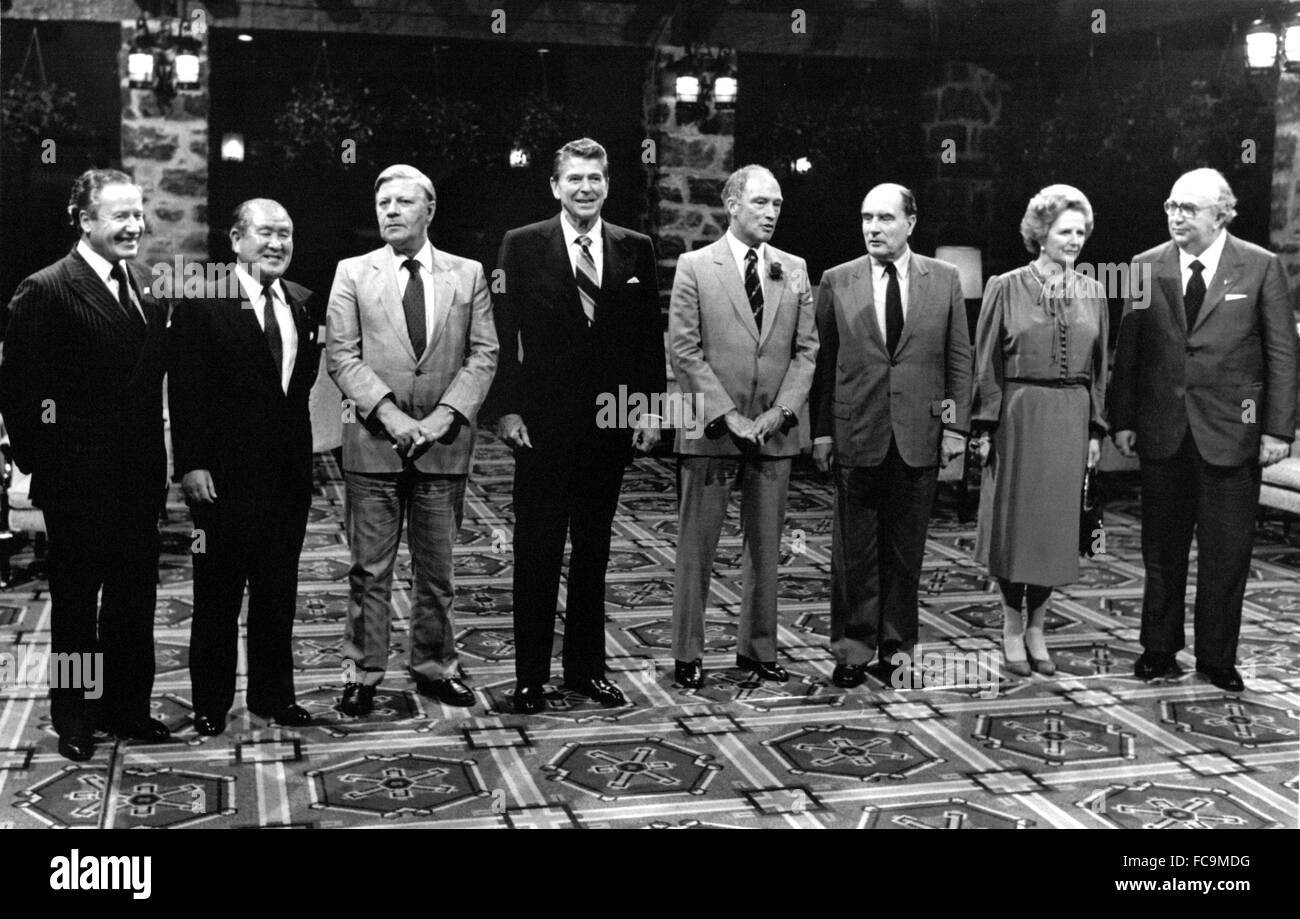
{"x": 283, "y": 315}
{"x": 104, "y": 268}
{"x": 880, "y": 284}
{"x": 1209, "y": 258}
{"x": 425, "y": 258}
{"x": 739, "y": 250}
{"x": 597, "y": 246}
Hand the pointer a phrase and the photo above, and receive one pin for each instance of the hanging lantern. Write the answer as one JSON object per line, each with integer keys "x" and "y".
{"x": 1261, "y": 46}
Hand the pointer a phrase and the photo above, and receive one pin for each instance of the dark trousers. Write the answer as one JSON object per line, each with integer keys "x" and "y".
{"x": 1182, "y": 495}
{"x": 559, "y": 494}
{"x": 107, "y": 542}
{"x": 253, "y": 543}
{"x": 882, "y": 513}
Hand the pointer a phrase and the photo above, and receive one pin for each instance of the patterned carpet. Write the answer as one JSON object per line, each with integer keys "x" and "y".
{"x": 969, "y": 748}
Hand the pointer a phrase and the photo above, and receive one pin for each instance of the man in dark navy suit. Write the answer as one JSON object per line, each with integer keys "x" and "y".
{"x": 581, "y": 300}
{"x": 81, "y": 394}
{"x": 243, "y": 361}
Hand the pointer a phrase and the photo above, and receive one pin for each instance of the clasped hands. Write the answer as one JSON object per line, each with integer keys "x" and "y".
{"x": 756, "y": 430}
{"x": 410, "y": 437}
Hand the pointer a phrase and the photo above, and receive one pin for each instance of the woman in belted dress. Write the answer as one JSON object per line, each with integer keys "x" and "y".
{"x": 1040, "y": 383}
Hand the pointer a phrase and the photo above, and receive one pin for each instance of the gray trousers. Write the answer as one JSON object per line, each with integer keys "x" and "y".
{"x": 704, "y": 487}
{"x": 377, "y": 506}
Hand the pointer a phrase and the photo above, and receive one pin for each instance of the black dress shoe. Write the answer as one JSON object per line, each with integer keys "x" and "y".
{"x": 210, "y": 725}
{"x": 450, "y": 691}
{"x": 766, "y": 670}
{"x": 358, "y": 700}
{"x": 1152, "y": 665}
{"x": 1226, "y": 678}
{"x": 846, "y": 676}
{"x": 292, "y": 715}
{"x": 529, "y": 700}
{"x": 77, "y": 747}
{"x": 689, "y": 675}
{"x": 598, "y": 689}
{"x": 146, "y": 730}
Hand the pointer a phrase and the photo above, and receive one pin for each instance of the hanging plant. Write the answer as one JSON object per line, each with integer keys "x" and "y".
{"x": 539, "y": 125}
{"x": 440, "y": 136}
{"x": 325, "y": 127}
{"x": 33, "y": 110}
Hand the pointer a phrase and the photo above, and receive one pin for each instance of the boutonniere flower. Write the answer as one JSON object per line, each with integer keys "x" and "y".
{"x": 774, "y": 271}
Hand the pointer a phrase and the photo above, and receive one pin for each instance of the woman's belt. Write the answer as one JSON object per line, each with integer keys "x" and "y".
{"x": 1054, "y": 383}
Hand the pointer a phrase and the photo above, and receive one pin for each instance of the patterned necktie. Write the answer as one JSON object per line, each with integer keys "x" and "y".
{"x": 754, "y": 287}
{"x": 588, "y": 286}
{"x": 271, "y": 328}
{"x": 893, "y": 308}
{"x": 413, "y": 306}
{"x": 124, "y": 293}
{"x": 1194, "y": 298}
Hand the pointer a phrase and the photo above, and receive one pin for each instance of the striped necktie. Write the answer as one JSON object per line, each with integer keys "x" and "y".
{"x": 588, "y": 285}
{"x": 754, "y": 287}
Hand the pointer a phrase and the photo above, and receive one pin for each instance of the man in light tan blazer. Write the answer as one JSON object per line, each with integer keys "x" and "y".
{"x": 413, "y": 348}
{"x": 743, "y": 345}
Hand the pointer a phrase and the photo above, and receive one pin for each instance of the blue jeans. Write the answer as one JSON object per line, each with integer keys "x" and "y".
{"x": 376, "y": 507}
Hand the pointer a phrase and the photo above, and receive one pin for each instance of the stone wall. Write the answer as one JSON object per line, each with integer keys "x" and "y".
{"x": 165, "y": 148}
{"x": 964, "y": 109}
{"x": 1284, "y": 233}
{"x": 693, "y": 157}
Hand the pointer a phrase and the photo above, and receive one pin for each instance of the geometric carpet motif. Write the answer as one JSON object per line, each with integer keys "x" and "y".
{"x": 965, "y": 745}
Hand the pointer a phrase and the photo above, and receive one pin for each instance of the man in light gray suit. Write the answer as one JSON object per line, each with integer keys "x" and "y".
{"x": 743, "y": 345}
{"x": 413, "y": 348}
{"x": 890, "y": 403}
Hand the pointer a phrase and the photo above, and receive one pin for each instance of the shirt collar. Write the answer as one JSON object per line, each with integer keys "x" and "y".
{"x": 902, "y": 264}
{"x": 424, "y": 257}
{"x": 571, "y": 235}
{"x": 100, "y": 265}
{"x": 739, "y": 249}
{"x": 1209, "y": 258}
{"x": 253, "y": 288}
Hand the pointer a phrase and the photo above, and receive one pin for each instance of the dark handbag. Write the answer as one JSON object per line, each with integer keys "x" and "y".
{"x": 1092, "y": 531}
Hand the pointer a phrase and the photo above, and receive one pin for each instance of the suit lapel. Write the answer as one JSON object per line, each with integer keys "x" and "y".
{"x": 94, "y": 292}
{"x": 918, "y": 298}
{"x": 558, "y": 255}
{"x": 1229, "y": 270}
{"x": 613, "y": 272}
{"x": 773, "y": 293}
{"x": 304, "y": 359}
{"x": 443, "y": 293}
{"x": 388, "y": 292}
{"x": 863, "y": 298}
{"x": 727, "y": 273}
{"x": 1169, "y": 277}
{"x": 254, "y": 340}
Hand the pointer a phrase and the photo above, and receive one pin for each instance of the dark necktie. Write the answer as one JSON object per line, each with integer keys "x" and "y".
{"x": 124, "y": 293}
{"x": 893, "y": 308}
{"x": 754, "y": 287}
{"x": 271, "y": 328}
{"x": 588, "y": 286}
{"x": 413, "y": 306}
{"x": 1194, "y": 297}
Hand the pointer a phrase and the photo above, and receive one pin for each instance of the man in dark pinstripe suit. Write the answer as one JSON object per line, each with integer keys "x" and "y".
{"x": 81, "y": 394}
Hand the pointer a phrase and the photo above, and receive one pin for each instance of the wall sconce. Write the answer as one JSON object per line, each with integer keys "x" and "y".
{"x": 688, "y": 88}
{"x": 166, "y": 61}
{"x": 1291, "y": 43}
{"x": 519, "y": 157}
{"x": 801, "y": 166}
{"x": 724, "y": 91}
{"x": 232, "y": 147}
{"x": 1261, "y": 46}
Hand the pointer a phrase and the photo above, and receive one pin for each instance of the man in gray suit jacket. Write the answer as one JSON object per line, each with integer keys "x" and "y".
{"x": 413, "y": 348}
{"x": 891, "y": 402}
{"x": 1204, "y": 391}
{"x": 743, "y": 345}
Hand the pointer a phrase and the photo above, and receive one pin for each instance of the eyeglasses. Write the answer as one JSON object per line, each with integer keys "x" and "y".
{"x": 1188, "y": 211}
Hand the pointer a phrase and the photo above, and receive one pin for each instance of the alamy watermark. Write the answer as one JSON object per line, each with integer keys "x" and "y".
{"x": 195, "y": 279}
{"x": 30, "y": 669}
{"x": 683, "y": 411}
